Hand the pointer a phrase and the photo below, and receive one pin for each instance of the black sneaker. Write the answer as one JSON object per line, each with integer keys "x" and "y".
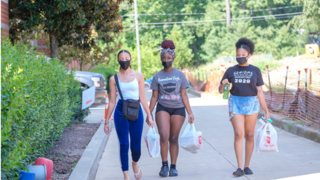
{"x": 164, "y": 171}
{"x": 238, "y": 172}
{"x": 248, "y": 171}
{"x": 173, "y": 172}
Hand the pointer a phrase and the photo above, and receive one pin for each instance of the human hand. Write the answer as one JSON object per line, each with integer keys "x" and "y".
{"x": 150, "y": 121}
{"x": 267, "y": 116}
{"x": 190, "y": 118}
{"x": 225, "y": 81}
{"x": 106, "y": 128}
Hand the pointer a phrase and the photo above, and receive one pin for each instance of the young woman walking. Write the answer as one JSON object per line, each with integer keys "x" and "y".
{"x": 169, "y": 90}
{"x": 244, "y": 102}
{"x": 132, "y": 87}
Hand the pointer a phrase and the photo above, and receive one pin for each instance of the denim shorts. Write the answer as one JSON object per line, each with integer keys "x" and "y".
{"x": 243, "y": 105}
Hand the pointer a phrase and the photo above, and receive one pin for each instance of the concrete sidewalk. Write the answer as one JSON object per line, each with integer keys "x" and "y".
{"x": 298, "y": 158}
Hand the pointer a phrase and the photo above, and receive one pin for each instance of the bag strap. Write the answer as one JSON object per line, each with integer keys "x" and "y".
{"x": 118, "y": 86}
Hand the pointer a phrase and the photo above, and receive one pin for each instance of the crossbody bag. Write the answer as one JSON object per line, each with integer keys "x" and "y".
{"x": 130, "y": 107}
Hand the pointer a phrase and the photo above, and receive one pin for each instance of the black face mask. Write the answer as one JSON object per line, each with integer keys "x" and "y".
{"x": 124, "y": 64}
{"x": 167, "y": 64}
{"x": 242, "y": 60}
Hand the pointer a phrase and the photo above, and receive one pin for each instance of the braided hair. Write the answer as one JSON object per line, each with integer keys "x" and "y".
{"x": 168, "y": 47}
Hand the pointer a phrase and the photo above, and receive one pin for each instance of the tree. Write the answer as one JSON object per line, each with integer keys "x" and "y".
{"x": 67, "y": 22}
{"x": 311, "y": 15}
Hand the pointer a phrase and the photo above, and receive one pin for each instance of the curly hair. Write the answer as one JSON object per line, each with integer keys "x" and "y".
{"x": 246, "y": 44}
{"x": 168, "y": 47}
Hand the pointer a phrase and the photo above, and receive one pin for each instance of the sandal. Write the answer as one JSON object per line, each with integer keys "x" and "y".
{"x": 137, "y": 175}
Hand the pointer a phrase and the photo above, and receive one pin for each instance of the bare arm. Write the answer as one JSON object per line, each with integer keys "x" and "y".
{"x": 154, "y": 100}
{"x": 143, "y": 99}
{"x": 186, "y": 103}
{"x": 112, "y": 103}
{"x": 263, "y": 102}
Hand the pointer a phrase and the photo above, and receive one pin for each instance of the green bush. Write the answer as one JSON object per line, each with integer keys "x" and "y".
{"x": 262, "y": 64}
{"x": 38, "y": 100}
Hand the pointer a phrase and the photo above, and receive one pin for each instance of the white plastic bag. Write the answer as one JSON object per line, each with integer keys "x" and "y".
{"x": 266, "y": 139}
{"x": 153, "y": 142}
{"x": 190, "y": 139}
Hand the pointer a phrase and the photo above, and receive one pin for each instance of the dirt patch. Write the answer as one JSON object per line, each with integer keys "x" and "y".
{"x": 297, "y": 63}
{"x": 68, "y": 150}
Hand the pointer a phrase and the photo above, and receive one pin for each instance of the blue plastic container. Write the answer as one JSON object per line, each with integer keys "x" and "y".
{"x": 24, "y": 175}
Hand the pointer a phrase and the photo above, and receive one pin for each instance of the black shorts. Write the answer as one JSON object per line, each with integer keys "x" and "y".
{"x": 172, "y": 111}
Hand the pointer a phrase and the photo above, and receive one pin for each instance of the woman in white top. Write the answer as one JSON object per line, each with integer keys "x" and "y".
{"x": 132, "y": 87}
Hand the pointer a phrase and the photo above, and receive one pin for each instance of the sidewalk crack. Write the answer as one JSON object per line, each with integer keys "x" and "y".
{"x": 222, "y": 155}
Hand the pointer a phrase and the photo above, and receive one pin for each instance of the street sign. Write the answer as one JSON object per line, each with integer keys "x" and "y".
{"x": 88, "y": 97}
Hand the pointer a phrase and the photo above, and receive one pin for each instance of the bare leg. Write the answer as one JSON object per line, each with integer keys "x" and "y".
{"x": 175, "y": 127}
{"x": 250, "y": 123}
{"x": 126, "y": 175}
{"x": 238, "y": 127}
{"x": 163, "y": 124}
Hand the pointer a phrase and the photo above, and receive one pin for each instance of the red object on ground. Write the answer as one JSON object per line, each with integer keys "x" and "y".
{"x": 48, "y": 163}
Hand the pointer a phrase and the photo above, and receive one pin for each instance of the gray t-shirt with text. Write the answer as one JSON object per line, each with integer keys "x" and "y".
{"x": 169, "y": 85}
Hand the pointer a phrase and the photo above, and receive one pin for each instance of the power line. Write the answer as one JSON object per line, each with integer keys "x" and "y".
{"x": 191, "y": 14}
{"x": 198, "y": 24}
{"x": 213, "y": 20}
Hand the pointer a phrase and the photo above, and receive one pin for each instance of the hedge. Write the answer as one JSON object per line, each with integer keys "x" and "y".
{"x": 38, "y": 100}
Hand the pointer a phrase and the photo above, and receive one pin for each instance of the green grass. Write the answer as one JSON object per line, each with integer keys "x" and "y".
{"x": 261, "y": 64}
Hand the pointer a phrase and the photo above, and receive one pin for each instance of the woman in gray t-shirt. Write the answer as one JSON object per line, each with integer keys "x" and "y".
{"x": 169, "y": 90}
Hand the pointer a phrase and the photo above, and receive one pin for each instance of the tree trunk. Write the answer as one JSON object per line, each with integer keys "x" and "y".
{"x": 243, "y": 5}
{"x": 54, "y": 46}
{"x": 228, "y": 12}
{"x": 271, "y": 10}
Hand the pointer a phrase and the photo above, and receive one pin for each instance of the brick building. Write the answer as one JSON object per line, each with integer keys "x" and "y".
{"x": 5, "y": 17}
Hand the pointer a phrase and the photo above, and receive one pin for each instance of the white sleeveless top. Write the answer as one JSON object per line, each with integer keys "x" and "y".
{"x": 130, "y": 90}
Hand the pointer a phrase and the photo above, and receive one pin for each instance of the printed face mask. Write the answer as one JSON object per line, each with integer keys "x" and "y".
{"x": 167, "y": 64}
{"x": 242, "y": 60}
{"x": 124, "y": 64}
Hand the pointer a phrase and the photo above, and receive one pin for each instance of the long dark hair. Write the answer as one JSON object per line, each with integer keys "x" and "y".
{"x": 124, "y": 51}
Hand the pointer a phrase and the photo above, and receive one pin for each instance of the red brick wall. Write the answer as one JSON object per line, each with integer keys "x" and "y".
{"x": 5, "y": 17}
{"x": 44, "y": 45}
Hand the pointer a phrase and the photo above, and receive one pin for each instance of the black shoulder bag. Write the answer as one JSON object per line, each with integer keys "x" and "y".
{"x": 130, "y": 107}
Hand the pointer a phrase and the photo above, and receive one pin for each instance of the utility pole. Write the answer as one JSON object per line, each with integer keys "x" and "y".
{"x": 228, "y": 12}
{"x": 137, "y": 34}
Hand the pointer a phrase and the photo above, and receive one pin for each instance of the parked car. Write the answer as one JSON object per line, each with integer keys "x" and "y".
{"x": 147, "y": 83}
{"x": 89, "y": 79}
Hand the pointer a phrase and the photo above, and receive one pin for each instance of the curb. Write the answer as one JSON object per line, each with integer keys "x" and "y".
{"x": 294, "y": 127}
{"x": 87, "y": 166}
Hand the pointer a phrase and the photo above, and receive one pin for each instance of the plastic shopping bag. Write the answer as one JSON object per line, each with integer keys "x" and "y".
{"x": 266, "y": 138}
{"x": 153, "y": 142}
{"x": 190, "y": 139}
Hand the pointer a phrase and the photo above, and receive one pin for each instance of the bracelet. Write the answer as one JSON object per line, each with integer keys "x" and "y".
{"x": 106, "y": 123}
{"x": 190, "y": 114}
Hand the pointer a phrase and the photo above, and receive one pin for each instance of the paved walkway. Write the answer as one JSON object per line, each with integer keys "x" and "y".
{"x": 298, "y": 158}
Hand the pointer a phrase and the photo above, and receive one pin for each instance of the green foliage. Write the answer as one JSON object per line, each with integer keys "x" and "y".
{"x": 67, "y": 22}
{"x": 38, "y": 100}
{"x": 310, "y": 18}
{"x": 199, "y": 43}
{"x": 261, "y": 64}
